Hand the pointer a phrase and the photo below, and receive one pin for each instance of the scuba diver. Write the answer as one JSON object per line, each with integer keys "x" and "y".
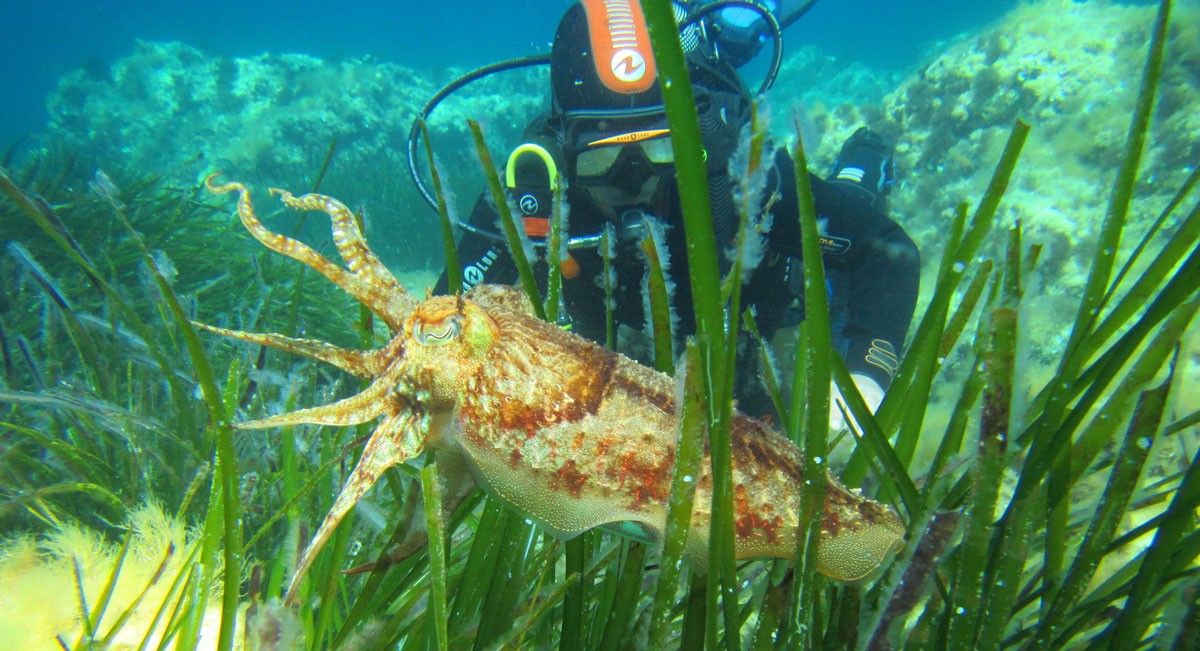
{"x": 606, "y": 135}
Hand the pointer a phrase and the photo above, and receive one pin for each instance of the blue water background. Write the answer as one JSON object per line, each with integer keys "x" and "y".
{"x": 43, "y": 40}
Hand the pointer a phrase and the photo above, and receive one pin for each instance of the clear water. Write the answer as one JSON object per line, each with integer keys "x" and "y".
{"x": 43, "y": 40}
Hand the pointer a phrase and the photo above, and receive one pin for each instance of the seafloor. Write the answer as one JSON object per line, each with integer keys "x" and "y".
{"x": 1069, "y": 69}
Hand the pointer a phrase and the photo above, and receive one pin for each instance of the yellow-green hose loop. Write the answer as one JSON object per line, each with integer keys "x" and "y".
{"x": 510, "y": 170}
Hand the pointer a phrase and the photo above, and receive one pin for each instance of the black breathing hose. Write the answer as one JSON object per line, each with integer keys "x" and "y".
{"x": 772, "y": 25}
{"x": 474, "y": 75}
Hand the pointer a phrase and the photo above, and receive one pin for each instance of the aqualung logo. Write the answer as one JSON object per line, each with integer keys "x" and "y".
{"x": 628, "y": 65}
{"x": 473, "y": 273}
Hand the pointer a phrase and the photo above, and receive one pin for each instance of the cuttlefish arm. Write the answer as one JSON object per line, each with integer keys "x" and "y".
{"x": 365, "y": 364}
{"x": 367, "y": 280}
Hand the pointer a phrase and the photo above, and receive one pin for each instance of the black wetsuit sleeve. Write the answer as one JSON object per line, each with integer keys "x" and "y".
{"x": 483, "y": 259}
{"x": 878, "y": 266}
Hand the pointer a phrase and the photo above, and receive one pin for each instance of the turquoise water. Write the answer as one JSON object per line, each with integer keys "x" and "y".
{"x": 42, "y": 41}
{"x": 120, "y": 112}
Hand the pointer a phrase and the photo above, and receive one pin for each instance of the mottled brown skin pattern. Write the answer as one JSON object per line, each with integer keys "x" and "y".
{"x": 570, "y": 434}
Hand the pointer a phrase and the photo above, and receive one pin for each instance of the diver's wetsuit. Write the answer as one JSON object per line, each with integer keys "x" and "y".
{"x": 872, "y": 264}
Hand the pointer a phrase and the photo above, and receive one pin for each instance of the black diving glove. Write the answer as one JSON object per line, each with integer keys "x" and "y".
{"x": 865, "y": 166}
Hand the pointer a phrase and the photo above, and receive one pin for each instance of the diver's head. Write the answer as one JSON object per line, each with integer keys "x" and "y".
{"x": 609, "y": 109}
{"x": 601, "y": 59}
{"x": 606, "y": 97}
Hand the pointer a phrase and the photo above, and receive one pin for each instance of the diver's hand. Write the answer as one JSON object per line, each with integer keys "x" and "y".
{"x": 871, "y": 392}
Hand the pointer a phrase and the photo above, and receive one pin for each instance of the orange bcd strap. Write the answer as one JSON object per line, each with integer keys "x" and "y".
{"x": 540, "y": 227}
{"x": 537, "y": 226}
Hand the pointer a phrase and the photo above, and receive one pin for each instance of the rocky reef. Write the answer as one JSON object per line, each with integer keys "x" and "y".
{"x": 1070, "y": 70}
{"x": 1067, "y": 68}
{"x": 175, "y": 111}
{"x": 173, "y": 108}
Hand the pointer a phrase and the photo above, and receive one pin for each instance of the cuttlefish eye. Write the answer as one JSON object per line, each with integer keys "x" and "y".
{"x": 442, "y": 331}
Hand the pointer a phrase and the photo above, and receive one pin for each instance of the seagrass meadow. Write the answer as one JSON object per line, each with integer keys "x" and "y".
{"x": 1044, "y": 510}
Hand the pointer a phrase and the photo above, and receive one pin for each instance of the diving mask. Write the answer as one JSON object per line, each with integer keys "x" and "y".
{"x": 599, "y": 157}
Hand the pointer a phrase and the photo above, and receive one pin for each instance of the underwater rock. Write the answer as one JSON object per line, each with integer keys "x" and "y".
{"x": 1070, "y": 70}
{"x": 829, "y": 95}
{"x": 168, "y": 104}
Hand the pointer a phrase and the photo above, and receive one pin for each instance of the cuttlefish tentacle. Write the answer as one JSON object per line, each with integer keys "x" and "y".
{"x": 457, "y": 484}
{"x": 392, "y": 309}
{"x": 281, "y": 243}
{"x": 377, "y": 399}
{"x": 398, "y": 438}
{"x": 348, "y": 239}
{"x": 365, "y": 364}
